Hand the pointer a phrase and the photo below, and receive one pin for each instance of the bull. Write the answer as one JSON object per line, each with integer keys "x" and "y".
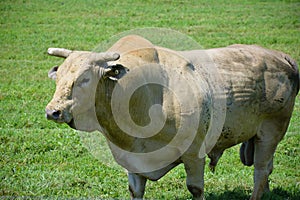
{"x": 155, "y": 106}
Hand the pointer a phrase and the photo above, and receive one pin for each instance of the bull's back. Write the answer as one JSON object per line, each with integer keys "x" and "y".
{"x": 259, "y": 79}
{"x": 260, "y": 83}
{"x": 257, "y": 82}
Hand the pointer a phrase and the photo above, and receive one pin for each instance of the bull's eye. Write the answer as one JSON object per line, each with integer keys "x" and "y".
{"x": 83, "y": 82}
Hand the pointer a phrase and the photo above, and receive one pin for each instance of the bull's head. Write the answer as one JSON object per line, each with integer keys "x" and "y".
{"x": 76, "y": 82}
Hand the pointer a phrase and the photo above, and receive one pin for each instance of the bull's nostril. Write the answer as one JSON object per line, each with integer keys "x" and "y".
{"x": 56, "y": 114}
{"x": 53, "y": 114}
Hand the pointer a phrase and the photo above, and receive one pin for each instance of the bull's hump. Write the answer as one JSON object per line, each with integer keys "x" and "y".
{"x": 130, "y": 43}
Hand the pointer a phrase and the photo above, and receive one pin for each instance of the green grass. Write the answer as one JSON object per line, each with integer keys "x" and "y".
{"x": 43, "y": 159}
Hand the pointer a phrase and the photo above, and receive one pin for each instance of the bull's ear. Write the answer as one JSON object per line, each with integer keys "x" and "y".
{"x": 52, "y": 72}
{"x": 115, "y": 72}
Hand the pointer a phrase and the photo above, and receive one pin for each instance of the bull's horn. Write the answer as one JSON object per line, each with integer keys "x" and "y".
{"x": 60, "y": 52}
{"x": 106, "y": 57}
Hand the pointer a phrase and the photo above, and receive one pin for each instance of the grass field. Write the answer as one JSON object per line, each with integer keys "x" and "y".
{"x": 39, "y": 158}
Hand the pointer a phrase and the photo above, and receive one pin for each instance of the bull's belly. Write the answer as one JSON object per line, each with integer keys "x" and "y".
{"x": 238, "y": 127}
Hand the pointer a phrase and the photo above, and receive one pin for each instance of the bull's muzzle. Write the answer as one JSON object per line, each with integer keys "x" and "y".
{"x": 58, "y": 116}
{"x": 54, "y": 115}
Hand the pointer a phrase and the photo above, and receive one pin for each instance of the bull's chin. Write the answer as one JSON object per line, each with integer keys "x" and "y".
{"x": 72, "y": 124}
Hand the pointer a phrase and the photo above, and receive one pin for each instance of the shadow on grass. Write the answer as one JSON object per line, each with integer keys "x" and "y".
{"x": 240, "y": 194}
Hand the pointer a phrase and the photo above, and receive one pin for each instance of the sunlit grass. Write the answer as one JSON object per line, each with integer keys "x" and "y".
{"x": 43, "y": 159}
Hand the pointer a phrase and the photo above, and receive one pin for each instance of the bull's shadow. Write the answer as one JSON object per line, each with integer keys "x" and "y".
{"x": 241, "y": 194}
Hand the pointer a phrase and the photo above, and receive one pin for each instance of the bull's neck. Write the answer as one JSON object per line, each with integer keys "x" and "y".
{"x": 105, "y": 117}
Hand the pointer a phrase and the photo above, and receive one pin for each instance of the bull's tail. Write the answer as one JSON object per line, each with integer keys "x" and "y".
{"x": 247, "y": 152}
{"x": 296, "y": 75}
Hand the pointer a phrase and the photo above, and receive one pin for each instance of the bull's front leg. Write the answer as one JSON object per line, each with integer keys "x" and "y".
{"x": 195, "y": 176}
{"x": 137, "y": 184}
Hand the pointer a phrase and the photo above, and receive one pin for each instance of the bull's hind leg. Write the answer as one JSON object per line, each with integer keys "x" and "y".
{"x": 269, "y": 135}
{"x": 195, "y": 176}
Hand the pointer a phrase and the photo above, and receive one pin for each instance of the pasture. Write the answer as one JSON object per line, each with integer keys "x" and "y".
{"x": 39, "y": 158}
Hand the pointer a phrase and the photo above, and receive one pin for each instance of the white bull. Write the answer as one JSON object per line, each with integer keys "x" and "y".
{"x": 171, "y": 101}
